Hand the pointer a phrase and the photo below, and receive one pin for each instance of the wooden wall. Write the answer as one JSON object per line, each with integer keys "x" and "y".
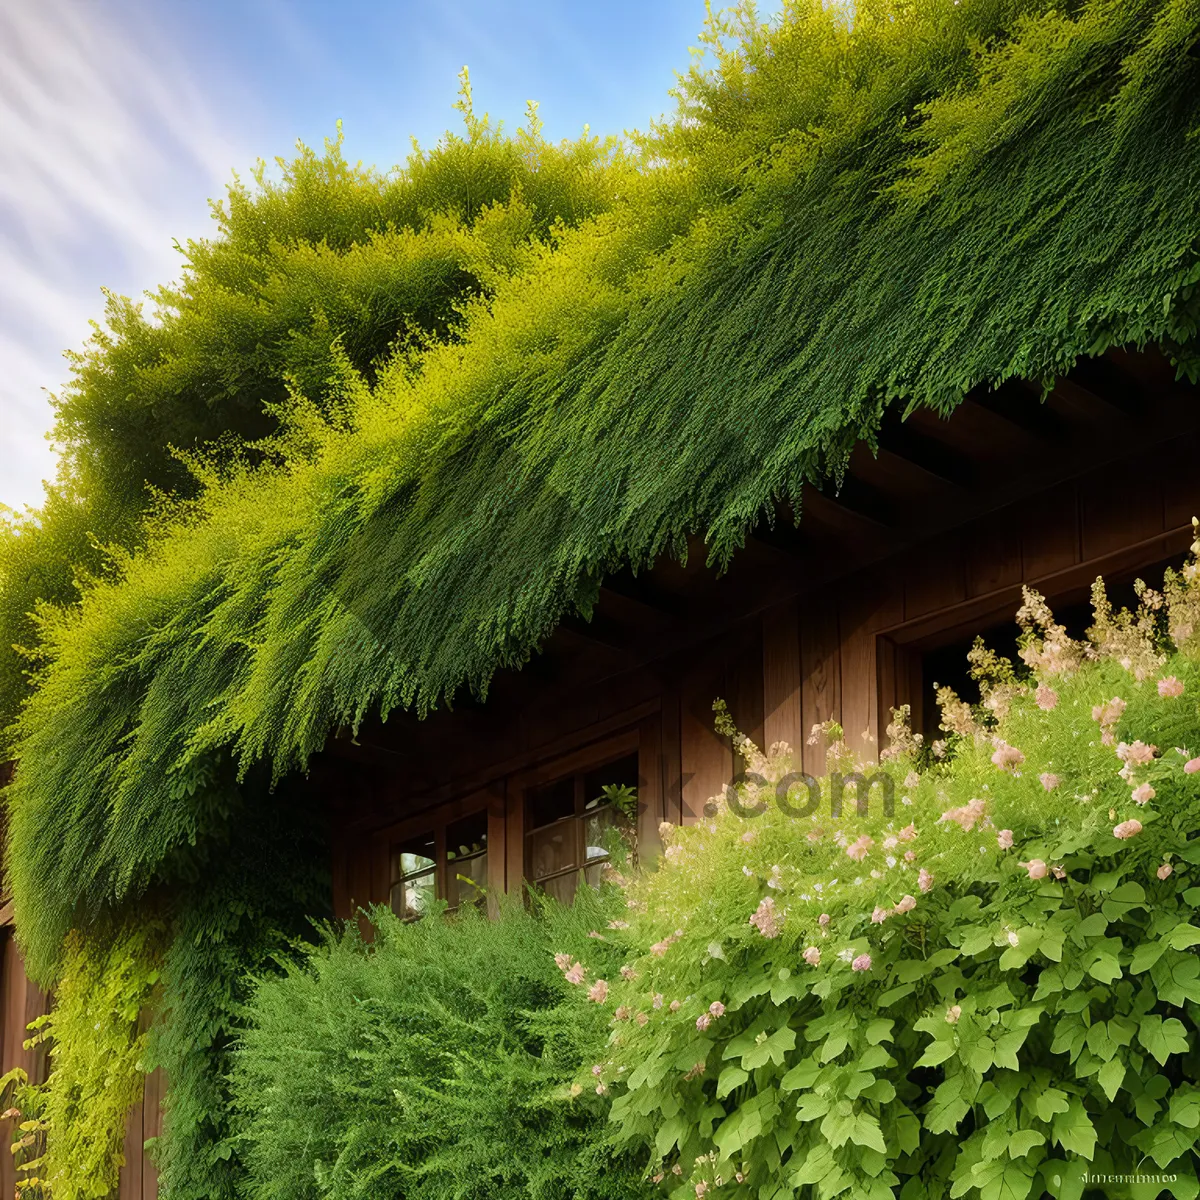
{"x": 848, "y": 652}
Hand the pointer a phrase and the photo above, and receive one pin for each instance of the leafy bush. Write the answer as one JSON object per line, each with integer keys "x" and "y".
{"x": 988, "y": 993}
{"x": 97, "y": 1048}
{"x": 435, "y": 1062}
{"x": 244, "y": 900}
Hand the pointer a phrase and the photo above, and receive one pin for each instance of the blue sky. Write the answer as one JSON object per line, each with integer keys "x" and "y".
{"x": 122, "y": 117}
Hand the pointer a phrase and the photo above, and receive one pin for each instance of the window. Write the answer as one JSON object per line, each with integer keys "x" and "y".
{"x": 450, "y": 862}
{"x": 570, "y": 822}
{"x": 467, "y": 861}
{"x": 414, "y": 876}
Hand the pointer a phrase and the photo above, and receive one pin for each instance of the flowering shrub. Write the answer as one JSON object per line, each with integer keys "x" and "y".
{"x": 988, "y": 993}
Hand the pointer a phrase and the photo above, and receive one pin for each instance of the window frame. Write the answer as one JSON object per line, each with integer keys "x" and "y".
{"x": 574, "y": 766}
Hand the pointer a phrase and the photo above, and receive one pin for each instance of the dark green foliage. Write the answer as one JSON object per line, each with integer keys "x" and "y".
{"x": 241, "y": 902}
{"x": 434, "y": 1064}
{"x": 888, "y": 211}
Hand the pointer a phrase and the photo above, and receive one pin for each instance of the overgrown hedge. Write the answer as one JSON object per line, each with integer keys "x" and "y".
{"x": 435, "y": 1063}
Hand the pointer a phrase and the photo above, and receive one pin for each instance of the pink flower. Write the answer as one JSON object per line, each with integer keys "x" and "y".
{"x": 953, "y": 1013}
{"x": 765, "y": 919}
{"x": 1136, "y": 755}
{"x": 1004, "y": 839}
{"x": 1007, "y": 757}
{"x": 703, "y": 1021}
{"x": 858, "y": 850}
{"x": 642, "y": 1018}
{"x": 1164, "y": 871}
{"x": 598, "y": 992}
{"x": 1143, "y": 793}
{"x": 575, "y": 974}
{"x": 823, "y": 920}
{"x": 660, "y": 948}
{"x": 924, "y": 880}
{"x": 1127, "y": 829}
{"x": 906, "y": 905}
{"x": 1049, "y": 780}
{"x": 701, "y": 1188}
{"x": 912, "y": 780}
{"x": 1170, "y": 687}
{"x": 861, "y": 963}
{"x": 880, "y": 915}
{"x": 623, "y": 1013}
{"x": 812, "y": 956}
{"x": 673, "y": 1006}
{"x": 716, "y": 1008}
{"x": 1192, "y": 766}
{"x": 891, "y": 842}
{"x": 618, "y": 924}
{"x": 1036, "y": 868}
{"x": 597, "y": 1070}
{"x": 910, "y": 856}
{"x": 600, "y": 1089}
{"x": 908, "y": 833}
{"x": 1109, "y": 713}
{"x": 562, "y": 961}
{"x": 628, "y": 973}
{"x": 967, "y": 816}
{"x": 658, "y": 1000}
{"x": 1046, "y": 697}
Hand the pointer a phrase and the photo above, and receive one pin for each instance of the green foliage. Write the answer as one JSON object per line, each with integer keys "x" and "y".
{"x": 328, "y": 260}
{"x": 25, "y": 1108}
{"x": 987, "y": 993}
{"x": 840, "y": 218}
{"x": 434, "y": 1063}
{"x": 97, "y": 1047}
{"x": 242, "y": 902}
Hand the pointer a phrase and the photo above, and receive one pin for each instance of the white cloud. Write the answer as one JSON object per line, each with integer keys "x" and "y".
{"x": 109, "y": 151}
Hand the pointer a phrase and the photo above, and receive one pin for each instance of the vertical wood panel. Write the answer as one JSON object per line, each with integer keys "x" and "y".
{"x": 1049, "y": 532}
{"x": 744, "y": 676}
{"x": 672, "y": 756}
{"x": 707, "y": 759}
{"x": 781, "y": 676}
{"x": 1115, "y": 514}
{"x": 993, "y": 555}
{"x": 651, "y": 811}
{"x": 497, "y": 825}
{"x": 514, "y": 839}
{"x": 152, "y": 1123}
{"x": 821, "y": 684}
{"x": 935, "y": 576}
{"x": 868, "y": 604}
{"x": 129, "y": 1186}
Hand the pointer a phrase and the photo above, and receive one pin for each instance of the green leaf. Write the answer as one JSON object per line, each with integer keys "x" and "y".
{"x": 1074, "y": 1131}
{"x": 1110, "y": 1077}
{"x": 1183, "y": 936}
{"x": 1049, "y": 1102}
{"x": 730, "y": 1078}
{"x": 1162, "y": 1038}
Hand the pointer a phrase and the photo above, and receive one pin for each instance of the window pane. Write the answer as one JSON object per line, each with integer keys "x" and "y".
{"x": 413, "y": 897}
{"x": 413, "y": 856}
{"x": 596, "y": 823}
{"x": 622, "y": 773}
{"x": 466, "y": 837}
{"x": 562, "y": 887}
{"x": 551, "y": 803}
{"x": 459, "y": 891}
{"x": 552, "y": 849}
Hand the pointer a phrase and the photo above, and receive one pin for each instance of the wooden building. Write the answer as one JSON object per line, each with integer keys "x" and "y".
{"x": 872, "y": 597}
